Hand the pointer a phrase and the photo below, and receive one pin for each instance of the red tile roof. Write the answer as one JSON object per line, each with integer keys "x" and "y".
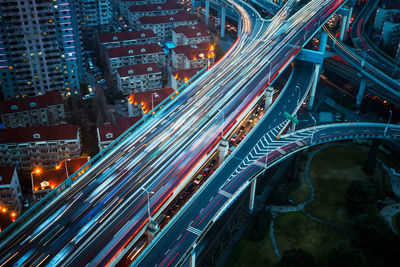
{"x": 61, "y": 172}
{"x": 181, "y": 49}
{"x": 138, "y": 69}
{"x": 132, "y": 50}
{"x": 180, "y": 16}
{"x": 116, "y": 129}
{"x": 23, "y": 104}
{"x": 46, "y": 133}
{"x": 185, "y": 73}
{"x": 110, "y": 37}
{"x": 6, "y": 174}
{"x": 156, "y": 7}
{"x": 192, "y": 31}
{"x": 145, "y": 98}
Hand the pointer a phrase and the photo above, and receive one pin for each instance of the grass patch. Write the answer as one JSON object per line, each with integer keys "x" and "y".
{"x": 331, "y": 171}
{"x": 303, "y": 191}
{"x": 295, "y": 230}
{"x": 253, "y": 253}
{"x": 396, "y": 221}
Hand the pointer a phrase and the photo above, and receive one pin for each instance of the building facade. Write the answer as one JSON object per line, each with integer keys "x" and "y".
{"x": 180, "y": 77}
{"x": 138, "y": 78}
{"x": 196, "y": 34}
{"x": 47, "y": 109}
{"x": 40, "y": 47}
{"x": 27, "y": 147}
{"x": 10, "y": 191}
{"x": 162, "y": 25}
{"x": 135, "y": 54}
{"x": 137, "y": 11}
{"x": 95, "y": 14}
{"x": 113, "y": 40}
{"x": 123, "y": 5}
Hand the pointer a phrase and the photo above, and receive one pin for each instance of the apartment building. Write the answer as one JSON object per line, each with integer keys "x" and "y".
{"x": 136, "y": 11}
{"x": 135, "y": 54}
{"x": 10, "y": 191}
{"x": 162, "y": 25}
{"x": 95, "y": 15}
{"x": 123, "y": 5}
{"x": 27, "y": 147}
{"x": 113, "y": 40}
{"x": 178, "y": 54}
{"x": 195, "y": 34}
{"x": 138, "y": 78}
{"x": 47, "y": 109}
{"x": 40, "y": 47}
{"x": 180, "y": 77}
{"x": 198, "y": 58}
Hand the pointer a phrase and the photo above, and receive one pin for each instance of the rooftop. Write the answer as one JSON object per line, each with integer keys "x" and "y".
{"x": 30, "y": 103}
{"x": 38, "y": 133}
{"x": 181, "y": 49}
{"x": 180, "y": 16}
{"x": 6, "y": 174}
{"x": 171, "y": 5}
{"x": 110, "y": 37}
{"x": 138, "y": 69}
{"x": 109, "y": 132}
{"x": 132, "y": 50}
{"x": 193, "y": 31}
{"x": 185, "y": 73}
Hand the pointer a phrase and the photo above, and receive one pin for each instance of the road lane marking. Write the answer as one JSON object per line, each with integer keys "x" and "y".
{"x": 194, "y": 230}
{"x": 280, "y": 150}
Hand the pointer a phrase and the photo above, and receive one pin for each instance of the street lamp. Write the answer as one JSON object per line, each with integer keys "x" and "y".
{"x": 152, "y": 101}
{"x": 148, "y": 201}
{"x": 387, "y": 125}
{"x": 315, "y": 122}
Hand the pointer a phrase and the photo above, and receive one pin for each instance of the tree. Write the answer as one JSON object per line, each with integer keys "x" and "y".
{"x": 360, "y": 197}
{"x": 261, "y": 225}
{"x": 373, "y": 235}
{"x": 297, "y": 258}
{"x": 346, "y": 256}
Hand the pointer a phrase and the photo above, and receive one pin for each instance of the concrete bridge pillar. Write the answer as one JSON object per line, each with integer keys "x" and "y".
{"x": 269, "y": 93}
{"x": 314, "y": 85}
{"x": 323, "y": 40}
{"x": 223, "y": 15}
{"x": 252, "y": 195}
{"x": 343, "y": 29}
{"x": 361, "y": 91}
{"x": 207, "y": 11}
{"x": 349, "y": 18}
{"x": 192, "y": 258}
{"x": 223, "y": 150}
{"x": 192, "y": 6}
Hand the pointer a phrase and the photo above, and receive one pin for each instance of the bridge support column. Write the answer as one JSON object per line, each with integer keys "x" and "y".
{"x": 293, "y": 126}
{"x": 223, "y": 150}
{"x": 314, "y": 86}
{"x": 252, "y": 195}
{"x": 349, "y": 18}
{"x": 207, "y": 11}
{"x": 223, "y": 15}
{"x": 192, "y": 258}
{"x": 323, "y": 40}
{"x": 361, "y": 91}
{"x": 192, "y": 6}
{"x": 269, "y": 93}
{"x": 343, "y": 28}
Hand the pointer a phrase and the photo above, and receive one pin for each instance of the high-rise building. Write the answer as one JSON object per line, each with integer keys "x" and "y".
{"x": 96, "y": 14}
{"x": 40, "y": 47}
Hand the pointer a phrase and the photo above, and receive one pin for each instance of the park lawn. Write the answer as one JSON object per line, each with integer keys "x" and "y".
{"x": 303, "y": 192}
{"x": 331, "y": 171}
{"x": 253, "y": 253}
{"x": 296, "y": 230}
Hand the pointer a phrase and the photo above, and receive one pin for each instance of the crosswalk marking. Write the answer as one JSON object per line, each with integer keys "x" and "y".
{"x": 224, "y": 193}
{"x": 194, "y": 230}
